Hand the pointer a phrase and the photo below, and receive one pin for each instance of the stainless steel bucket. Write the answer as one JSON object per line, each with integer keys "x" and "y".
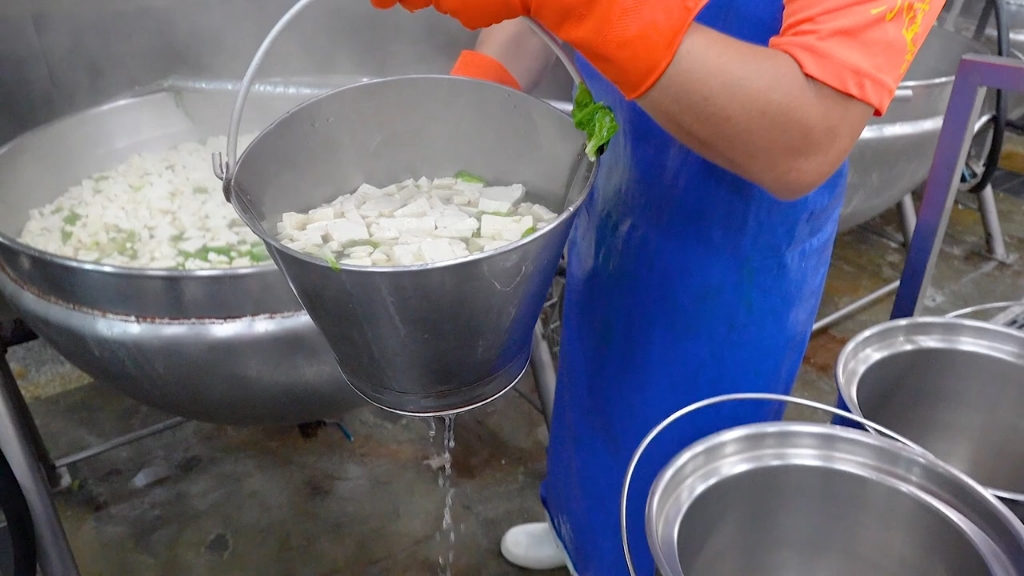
{"x": 952, "y": 385}
{"x": 434, "y": 339}
{"x": 793, "y": 498}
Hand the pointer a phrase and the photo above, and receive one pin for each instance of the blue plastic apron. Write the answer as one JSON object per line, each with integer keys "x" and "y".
{"x": 684, "y": 282}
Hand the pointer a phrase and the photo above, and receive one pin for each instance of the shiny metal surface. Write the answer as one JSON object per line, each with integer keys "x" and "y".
{"x": 443, "y": 337}
{"x": 894, "y": 152}
{"x": 954, "y": 386}
{"x": 975, "y": 75}
{"x": 785, "y": 498}
{"x": 228, "y": 346}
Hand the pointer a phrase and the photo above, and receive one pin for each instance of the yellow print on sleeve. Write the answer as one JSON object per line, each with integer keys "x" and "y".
{"x": 912, "y": 13}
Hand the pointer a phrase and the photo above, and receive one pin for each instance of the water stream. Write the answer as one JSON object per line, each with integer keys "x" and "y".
{"x": 446, "y": 535}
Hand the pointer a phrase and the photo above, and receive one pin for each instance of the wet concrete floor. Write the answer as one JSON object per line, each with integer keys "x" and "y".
{"x": 267, "y": 501}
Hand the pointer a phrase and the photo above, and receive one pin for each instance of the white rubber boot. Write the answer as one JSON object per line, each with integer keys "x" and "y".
{"x": 533, "y": 546}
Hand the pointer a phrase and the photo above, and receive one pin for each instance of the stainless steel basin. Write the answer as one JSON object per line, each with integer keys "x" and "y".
{"x": 894, "y": 152}
{"x": 228, "y": 346}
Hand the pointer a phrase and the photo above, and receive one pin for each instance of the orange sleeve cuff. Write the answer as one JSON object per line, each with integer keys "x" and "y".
{"x": 862, "y": 48}
{"x": 472, "y": 64}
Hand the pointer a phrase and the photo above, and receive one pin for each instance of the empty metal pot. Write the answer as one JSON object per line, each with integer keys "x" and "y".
{"x": 794, "y": 498}
{"x": 953, "y": 386}
{"x": 431, "y": 339}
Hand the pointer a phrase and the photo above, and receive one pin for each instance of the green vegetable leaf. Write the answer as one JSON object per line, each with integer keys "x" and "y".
{"x": 464, "y": 176}
{"x": 527, "y": 232}
{"x": 596, "y": 120}
{"x": 72, "y": 218}
{"x": 331, "y": 260}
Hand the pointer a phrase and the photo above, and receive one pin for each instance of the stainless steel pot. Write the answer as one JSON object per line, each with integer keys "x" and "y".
{"x": 431, "y": 339}
{"x": 954, "y": 386}
{"x": 894, "y": 153}
{"x": 227, "y": 346}
{"x": 785, "y": 498}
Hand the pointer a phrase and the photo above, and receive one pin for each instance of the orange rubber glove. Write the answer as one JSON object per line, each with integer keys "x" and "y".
{"x": 631, "y": 42}
{"x": 479, "y": 66}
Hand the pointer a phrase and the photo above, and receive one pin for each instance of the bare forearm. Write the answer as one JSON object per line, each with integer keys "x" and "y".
{"x": 752, "y": 110}
{"x": 525, "y": 54}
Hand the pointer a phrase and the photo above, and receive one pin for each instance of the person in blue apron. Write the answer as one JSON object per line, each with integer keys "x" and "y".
{"x": 697, "y": 263}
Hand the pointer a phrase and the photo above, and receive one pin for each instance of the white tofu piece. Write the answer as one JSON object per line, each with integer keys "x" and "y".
{"x": 389, "y": 190}
{"x": 436, "y": 251}
{"x": 362, "y": 249}
{"x": 446, "y": 183}
{"x": 349, "y": 202}
{"x": 321, "y": 214}
{"x": 406, "y": 194}
{"x": 462, "y": 229}
{"x": 435, "y": 202}
{"x": 510, "y": 194}
{"x": 410, "y": 239}
{"x": 394, "y": 227}
{"x": 460, "y": 199}
{"x": 477, "y": 244}
{"x": 383, "y": 230}
{"x": 470, "y": 211}
{"x": 447, "y": 215}
{"x": 494, "y": 206}
{"x": 407, "y": 255}
{"x": 367, "y": 261}
{"x": 385, "y": 205}
{"x": 525, "y": 224}
{"x": 346, "y": 231}
{"x": 365, "y": 191}
{"x": 524, "y": 209}
{"x": 471, "y": 187}
{"x": 542, "y": 214}
{"x": 368, "y": 213}
{"x": 294, "y": 221}
{"x": 407, "y": 183}
{"x": 416, "y": 209}
{"x": 423, "y": 183}
{"x": 353, "y": 215}
{"x": 282, "y": 228}
{"x": 492, "y": 226}
{"x": 542, "y": 225}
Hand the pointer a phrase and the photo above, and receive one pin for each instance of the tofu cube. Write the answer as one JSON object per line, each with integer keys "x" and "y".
{"x": 294, "y": 221}
{"x": 460, "y": 200}
{"x": 386, "y": 205}
{"x": 492, "y": 226}
{"x": 510, "y": 194}
{"x": 470, "y": 211}
{"x": 406, "y": 194}
{"x": 462, "y": 229}
{"x": 389, "y": 190}
{"x": 416, "y": 209}
{"x": 346, "y": 231}
{"x": 423, "y": 183}
{"x": 436, "y": 251}
{"x": 324, "y": 214}
{"x": 407, "y": 254}
{"x": 447, "y": 183}
{"x": 494, "y": 206}
{"x": 365, "y": 191}
{"x": 542, "y": 214}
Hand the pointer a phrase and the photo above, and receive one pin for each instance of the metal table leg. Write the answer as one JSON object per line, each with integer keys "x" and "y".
{"x": 974, "y": 76}
{"x": 16, "y": 442}
{"x": 544, "y": 374}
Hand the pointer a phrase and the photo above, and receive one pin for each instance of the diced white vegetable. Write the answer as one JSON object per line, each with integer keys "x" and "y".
{"x": 294, "y": 221}
{"x": 321, "y": 214}
{"x": 347, "y": 231}
{"x": 494, "y": 206}
{"x": 416, "y": 209}
{"x": 421, "y": 222}
{"x": 510, "y": 194}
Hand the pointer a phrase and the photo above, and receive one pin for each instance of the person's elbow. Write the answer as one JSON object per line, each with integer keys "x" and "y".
{"x": 816, "y": 145}
{"x": 800, "y": 173}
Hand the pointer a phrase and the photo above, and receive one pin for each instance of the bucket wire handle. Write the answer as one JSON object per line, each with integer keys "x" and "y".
{"x": 225, "y": 170}
{"x": 720, "y": 400}
{"x": 983, "y": 307}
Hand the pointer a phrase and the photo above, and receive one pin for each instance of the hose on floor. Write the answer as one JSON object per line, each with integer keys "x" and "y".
{"x": 994, "y": 8}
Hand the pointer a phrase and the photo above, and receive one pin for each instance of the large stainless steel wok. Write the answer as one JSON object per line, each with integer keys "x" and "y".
{"x": 894, "y": 152}
{"x": 223, "y": 346}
